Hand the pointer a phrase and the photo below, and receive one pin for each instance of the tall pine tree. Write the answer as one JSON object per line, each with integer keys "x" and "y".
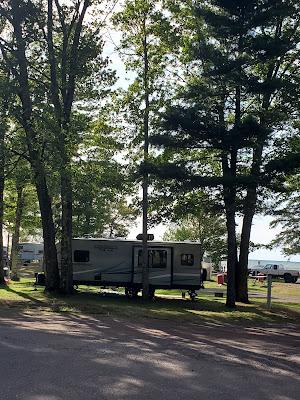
{"x": 234, "y": 103}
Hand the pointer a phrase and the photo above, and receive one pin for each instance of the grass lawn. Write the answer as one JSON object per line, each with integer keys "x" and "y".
{"x": 22, "y": 295}
{"x": 279, "y": 288}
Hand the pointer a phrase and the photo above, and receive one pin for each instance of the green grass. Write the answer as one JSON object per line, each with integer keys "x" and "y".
{"x": 279, "y": 288}
{"x": 22, "y": 295}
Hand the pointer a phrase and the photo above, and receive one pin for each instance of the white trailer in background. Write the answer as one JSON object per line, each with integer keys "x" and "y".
{"x": 118, "y": 262}
{"x": 29, "y": 252}
{"x": 207, "y": 267}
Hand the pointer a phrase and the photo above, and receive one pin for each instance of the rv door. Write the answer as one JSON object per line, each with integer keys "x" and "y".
{"x": 160, "y": 266}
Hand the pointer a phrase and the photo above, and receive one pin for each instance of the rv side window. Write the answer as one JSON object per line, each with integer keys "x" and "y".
{"x": 187, "y": 259}
{"x": 81, "y": 256}
{"x": 157, "y": 258}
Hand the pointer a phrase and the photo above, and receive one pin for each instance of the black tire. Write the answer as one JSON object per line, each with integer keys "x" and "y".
{"x": 288, "y": 278}
{"x": 294, "y": 279}
{"x": 151, "y": 293}
{"x": 131, "y": 293}
{"x": 192, "y": 294}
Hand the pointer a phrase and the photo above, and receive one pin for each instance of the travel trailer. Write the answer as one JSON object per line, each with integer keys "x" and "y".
{"x": 28, "y": 252}
{"x": 118, "y": 262}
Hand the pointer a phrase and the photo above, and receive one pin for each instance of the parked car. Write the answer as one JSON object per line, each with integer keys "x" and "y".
{"x": 277, "y": 271}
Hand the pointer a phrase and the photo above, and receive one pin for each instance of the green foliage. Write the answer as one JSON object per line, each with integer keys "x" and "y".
{"x": 285, "y": 210}
{"x": 241, "y": 88}
{"x": 225, "y": 53}
{"x": 101, "y": 185}
{"x": 240, "y": 59}
{"x": 100, "y": 180}
{"x": 144, "y": 47}
{"x": 30, "y": 222}
{"x": 208, "y": 229}
{"x": 222, "y": 80}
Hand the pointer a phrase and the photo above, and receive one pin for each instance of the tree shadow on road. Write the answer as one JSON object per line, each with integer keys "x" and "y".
{"x": 78, "y": 356}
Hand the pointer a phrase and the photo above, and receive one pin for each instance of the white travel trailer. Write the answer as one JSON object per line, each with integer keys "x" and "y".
{"x": 118, "y": 262}
{"x": 28, "y": 252}
{"x": 207, "y": 267}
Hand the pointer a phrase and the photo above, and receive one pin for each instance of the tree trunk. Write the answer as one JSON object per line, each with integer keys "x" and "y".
{"x": 2, "y": 180}
{"x": 145, "y": 258}
{"x": 231, "y": 250}
{"x": 251, "y": 198}
{"x": 249, "y": 212}
{"x": 145, "y": 274}
{"x": 229, "y": 194}
{"x": 62, "y": 94}
{"x": 242, "y": 265}
{"x": 16, "y": 234}
{"x": 50, "y": 253}
{"x": 66, "y": 279}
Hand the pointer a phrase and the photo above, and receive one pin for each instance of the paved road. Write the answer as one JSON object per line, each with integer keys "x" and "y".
{"x": 66, "y": 357}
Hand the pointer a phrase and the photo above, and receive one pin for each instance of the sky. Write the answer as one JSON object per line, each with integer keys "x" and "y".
{"x": 261, "y": 234}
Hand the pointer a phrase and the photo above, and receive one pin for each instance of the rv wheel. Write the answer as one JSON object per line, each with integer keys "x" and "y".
{"x": 131, "y": 293}
{"x": 151, "y": 293}
{"x": 192, "y": 294}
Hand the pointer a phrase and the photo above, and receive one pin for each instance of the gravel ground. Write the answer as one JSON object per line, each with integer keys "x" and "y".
{"x": 71, "y": 357}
